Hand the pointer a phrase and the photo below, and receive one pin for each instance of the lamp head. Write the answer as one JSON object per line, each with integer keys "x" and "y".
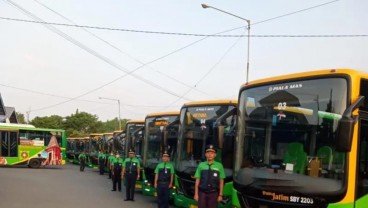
{"x": 205, "y": 6}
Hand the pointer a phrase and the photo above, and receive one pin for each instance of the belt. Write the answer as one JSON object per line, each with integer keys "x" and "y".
{"x": 209, "y": 191}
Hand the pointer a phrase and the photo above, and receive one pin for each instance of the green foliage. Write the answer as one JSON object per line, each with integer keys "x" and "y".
{"x": 52, "y": 122}
{"x": 112, "y": 125}
{"x": 80, "y": 124}
{"x": 20, "y": 117}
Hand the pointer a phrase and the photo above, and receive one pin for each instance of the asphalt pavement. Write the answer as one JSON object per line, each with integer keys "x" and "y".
{"x": 61, "y": 187}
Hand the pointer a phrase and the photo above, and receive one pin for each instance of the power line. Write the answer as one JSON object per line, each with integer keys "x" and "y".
{"x": 192, "y": 34}
{"x": 197, "y": 35}
{"x": 94, "y": 53}
{"x": 91, "y": 101}
{"x": 205, "y": 36}
{"x": 118, "y": 49}
{"x": 298, "y": 11}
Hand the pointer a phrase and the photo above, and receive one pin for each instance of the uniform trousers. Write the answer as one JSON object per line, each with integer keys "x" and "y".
{"x": 82, "y": 164}
{"x": 130, "y": 180}
{"x": 116, "y": 179}
{"x": 207, "y": 200}
{"x": 163, "y": 194}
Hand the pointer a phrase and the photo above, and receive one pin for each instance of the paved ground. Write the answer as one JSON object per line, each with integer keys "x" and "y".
{"x": 61, "y": 187}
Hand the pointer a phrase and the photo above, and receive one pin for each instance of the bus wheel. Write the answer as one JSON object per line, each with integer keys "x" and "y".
{"x": 34, "y": 163}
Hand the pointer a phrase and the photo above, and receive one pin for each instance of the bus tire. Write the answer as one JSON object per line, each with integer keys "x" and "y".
{"x": 34, "y": 163}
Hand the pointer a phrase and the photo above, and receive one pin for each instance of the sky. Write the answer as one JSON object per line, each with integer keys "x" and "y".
{"x": 154, "y": 56}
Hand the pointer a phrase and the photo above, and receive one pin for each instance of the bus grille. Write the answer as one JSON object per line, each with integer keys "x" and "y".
{"x": 253, "y": 202}
{"x": 187, "y": 186}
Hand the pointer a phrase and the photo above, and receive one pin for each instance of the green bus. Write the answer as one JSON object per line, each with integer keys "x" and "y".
{"x": 118, "y": 144}
{"x": 27, "y": 145}
{"x": 134, "y": 136}
{"x": 203, "y": 123}
{"x": 93, "y": 148}
{"x": 302, "y": 141}
{"x": 161, "y": 132}
{"x": 75, "y": 146}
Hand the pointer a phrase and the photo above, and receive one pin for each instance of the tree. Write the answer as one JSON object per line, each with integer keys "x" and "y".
{"x": 20, "y": 117}
{"x": 81, "y": 124}
{"x": 52, "y": 122}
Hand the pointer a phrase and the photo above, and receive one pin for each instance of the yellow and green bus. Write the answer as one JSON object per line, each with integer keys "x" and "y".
{"x": 119, "y": 142}
{"x": 134, "y": 136}
{"x": 302, "y": 141}
{"x": 94, "y": 146}
{"x": 107, "y": 142}
{"x": 161, "y": 132}
{"x": 75, "y": 146}
{"x": 202, "y": 123}
{"x": 26, "y": 145}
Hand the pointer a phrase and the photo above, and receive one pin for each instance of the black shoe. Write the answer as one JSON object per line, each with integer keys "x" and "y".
{"x": 119, "y": 190}
{"x": 132, "y": 200}
{"x": 126, "y": 199}
{"x": 113, "y": 190}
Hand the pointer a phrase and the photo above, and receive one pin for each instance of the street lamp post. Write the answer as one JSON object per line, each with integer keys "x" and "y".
{"x": 118, "y": 106}
{"x": 205, "y": 6}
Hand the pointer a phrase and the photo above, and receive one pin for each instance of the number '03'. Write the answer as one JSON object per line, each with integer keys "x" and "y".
{"x": 281, "y": 106}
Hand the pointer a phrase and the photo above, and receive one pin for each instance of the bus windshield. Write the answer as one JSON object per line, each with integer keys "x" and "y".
{"x": 197, "y": 123}
{"x": 155, "y": 138}
{"x": 290, "y": 127}
{"x": 133, "y": 138}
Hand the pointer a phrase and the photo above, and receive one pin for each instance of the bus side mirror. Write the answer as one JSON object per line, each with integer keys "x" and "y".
{"x": 345, "y": 126}
{"x": 220, "y": 133}
{"x": 344, "y": 134}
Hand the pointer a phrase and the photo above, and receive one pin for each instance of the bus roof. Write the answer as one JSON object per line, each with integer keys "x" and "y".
{"x": 77, "y": 138}
{"x": 305, "y": 75}
{"x": 135, "y": 121}
{"x": 16, "y": 125}
{"x": 171, "y": 113}
{"x": 27, "y": 127}
{"x": 96, "y": 134}
{"x": 108, "y": 133}
{"x": 210, "y": 102}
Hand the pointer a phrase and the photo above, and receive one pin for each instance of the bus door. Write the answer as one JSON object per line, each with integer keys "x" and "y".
{"x": 9, "y": 144}
{"x": 362, "y": 170}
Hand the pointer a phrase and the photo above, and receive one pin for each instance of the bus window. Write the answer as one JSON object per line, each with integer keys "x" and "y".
{"x": 9, "y": 144}
{"x": 363, "y": 160}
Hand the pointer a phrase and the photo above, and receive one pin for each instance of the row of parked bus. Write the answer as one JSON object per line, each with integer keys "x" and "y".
{"x": 290, "y": 141}
{"x": 202, "y": 122}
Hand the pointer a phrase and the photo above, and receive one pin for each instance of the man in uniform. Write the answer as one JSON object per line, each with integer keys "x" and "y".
{"x": 131, "y": 167}
{"x": 110, "y": 160}
{"x": 101, "y": 162}
{"x": 116, "y": 170}
{"x": 82, "y": 161}
{"x": 209, "y": 180}
{"x": 164, "y": 177}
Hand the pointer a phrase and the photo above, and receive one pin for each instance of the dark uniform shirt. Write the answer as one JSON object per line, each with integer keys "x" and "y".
{"x": 209, "y": 176}
{"x": 164, "y": 171}
{"x": 82, "y": 157}
{"x": 117, "y": 162}
{"x": 131, "y": 165}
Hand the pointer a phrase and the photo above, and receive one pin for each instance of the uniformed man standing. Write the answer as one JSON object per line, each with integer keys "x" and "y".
{"x": 110, "y": 160}
{"x": 164, "y": 177}
{"x": 116, "y": 169}
{"x": 131, "y": 167}
{"x": 209, "y": 180}
{"x": 82, "y": 161}
{"x": 101, "y": 162}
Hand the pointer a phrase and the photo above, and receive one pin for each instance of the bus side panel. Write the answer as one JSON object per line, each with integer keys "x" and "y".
{"x": 362, "y": 202}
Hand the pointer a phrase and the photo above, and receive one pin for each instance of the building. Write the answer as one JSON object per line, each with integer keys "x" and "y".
{"x": 7, "y": 114}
